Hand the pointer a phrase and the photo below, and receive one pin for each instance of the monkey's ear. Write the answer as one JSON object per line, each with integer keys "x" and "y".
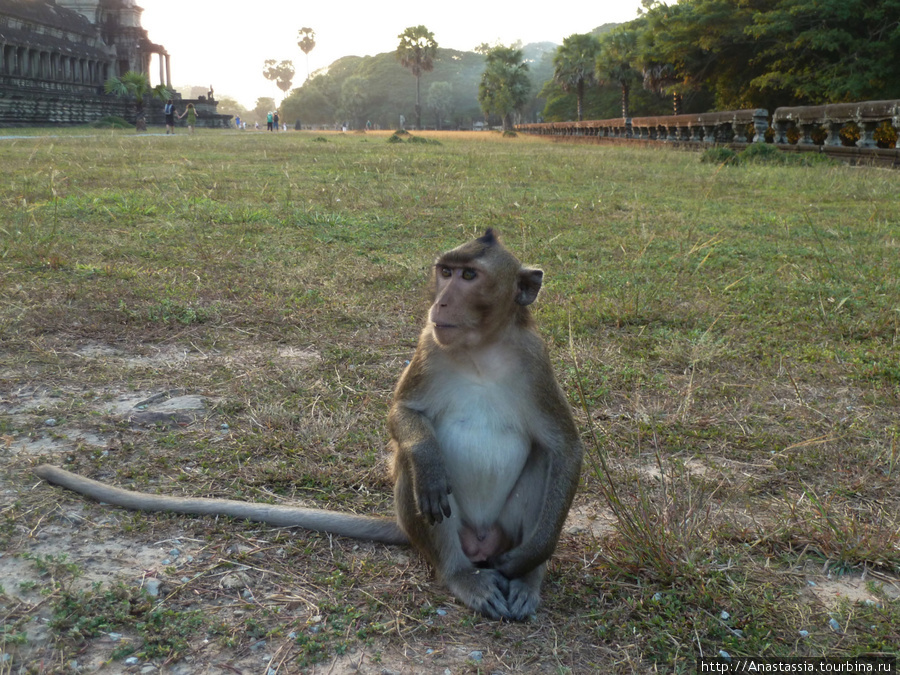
{"x": 530, "y": 281}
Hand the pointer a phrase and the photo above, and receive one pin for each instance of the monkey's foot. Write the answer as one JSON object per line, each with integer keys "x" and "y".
{"x": 522, "y": 599}
{"x": 483, "y": 590}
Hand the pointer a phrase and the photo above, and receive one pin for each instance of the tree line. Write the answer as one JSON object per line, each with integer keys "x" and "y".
{"x": 693, "y": 56}
{"x": 706, "y": 55}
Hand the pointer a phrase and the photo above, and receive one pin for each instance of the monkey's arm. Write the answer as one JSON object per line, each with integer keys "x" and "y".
{"x": 561, "y": 483}
{"x": 418, "y": 453}
{"x": 370, "y": 528}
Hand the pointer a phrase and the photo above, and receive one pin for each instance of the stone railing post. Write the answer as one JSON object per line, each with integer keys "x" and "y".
{"x": 760, "y": 125}
{"x": 781, "y": 130}
{"x": 866, "y": 134}
{"x": 834, "y": 132}
{"x": 806, "y": 129}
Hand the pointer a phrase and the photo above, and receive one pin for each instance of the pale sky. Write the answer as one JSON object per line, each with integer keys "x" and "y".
{"x": 224, "y": 44}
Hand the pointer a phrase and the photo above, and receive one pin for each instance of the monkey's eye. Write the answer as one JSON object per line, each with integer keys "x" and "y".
{"x": 446, "y": 272}
{"x": 468, "y": 274}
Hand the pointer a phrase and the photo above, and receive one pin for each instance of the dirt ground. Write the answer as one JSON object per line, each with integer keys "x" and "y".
{"x": 106, "y": 547}
{"x": 52, "y": 419}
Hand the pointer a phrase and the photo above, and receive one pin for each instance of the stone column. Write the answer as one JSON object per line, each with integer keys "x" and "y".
{"x": 168, "y": 72}
{"x": 760, "y": 125}
{"x": 159, "y": 55}
{"x": 806, "y": 129}
{"x": 867, "y": 133}
{"x": 834, "y": 132}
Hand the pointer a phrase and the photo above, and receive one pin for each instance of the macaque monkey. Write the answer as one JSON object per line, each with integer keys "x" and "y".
{"x": 486, "y": 454}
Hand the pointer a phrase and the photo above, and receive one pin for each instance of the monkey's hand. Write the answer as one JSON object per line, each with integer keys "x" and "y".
{"x": 518, "y": 561}
{"x": 433, "y": 495}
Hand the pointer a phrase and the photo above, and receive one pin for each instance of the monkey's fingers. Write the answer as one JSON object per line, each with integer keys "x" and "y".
{"x": 483, "y": 590}
{"x": 435, "y": 506}
{"x": 522, "y": 599}
{"x": 495, "y": 603}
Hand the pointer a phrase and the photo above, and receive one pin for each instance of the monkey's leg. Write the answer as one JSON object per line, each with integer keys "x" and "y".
{"x": 483, "y": 590}
{"x": 521, "y": 516}
{"x": 524, "y": 594}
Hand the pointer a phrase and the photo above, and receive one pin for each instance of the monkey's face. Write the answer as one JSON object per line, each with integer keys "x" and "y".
{"x": 465, "y": 299}
{"x": 478, "y": 288}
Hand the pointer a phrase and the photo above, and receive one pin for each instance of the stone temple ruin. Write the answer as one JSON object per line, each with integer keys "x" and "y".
{"x": 55, "y": 56}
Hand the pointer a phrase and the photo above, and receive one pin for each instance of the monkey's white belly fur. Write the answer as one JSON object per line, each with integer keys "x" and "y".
{"x": 485, "y": 445}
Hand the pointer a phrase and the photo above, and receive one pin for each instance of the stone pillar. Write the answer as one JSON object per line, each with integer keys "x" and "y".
{"x": 781, "y": 131}
{"x": 806, "y": 129}
{"x": 834, "y": 132}
{"x": 760, "y": 125}
{"x": 160, "y": 56}
{"x": 867, "y": 133}
{"x": 168, "y": 72}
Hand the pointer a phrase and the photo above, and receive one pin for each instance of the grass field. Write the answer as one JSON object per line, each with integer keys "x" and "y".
{"x": 727, "y": 335}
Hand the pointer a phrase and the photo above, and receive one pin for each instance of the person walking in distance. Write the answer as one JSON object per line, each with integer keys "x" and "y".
{"x": 169, "y": 110}
{"x": 191, "y": 114}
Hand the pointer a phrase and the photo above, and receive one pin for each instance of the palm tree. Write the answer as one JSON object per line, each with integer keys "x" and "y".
{"x": 615, "y": 61}
{"x": 574, "y": 63}
{"x": 417, "y": 51}
{"x": 307, "y": 43}
{"x": 281, "y": 73}
{"x": 137, "y": 86}
{"x": 504, "y": 85}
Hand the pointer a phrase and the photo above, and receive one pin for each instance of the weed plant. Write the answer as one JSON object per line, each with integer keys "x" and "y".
{"x": 728, "y": 337}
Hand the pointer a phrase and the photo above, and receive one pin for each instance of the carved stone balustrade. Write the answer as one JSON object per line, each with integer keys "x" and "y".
{"x": 867, "y": 115}
{"x": 718, "y": 127}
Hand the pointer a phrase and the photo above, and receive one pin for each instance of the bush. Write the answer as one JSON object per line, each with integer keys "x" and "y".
{"x": 719, "y": 156}
{"x": 397, "y": 137}
{"x": 762, "y": 153}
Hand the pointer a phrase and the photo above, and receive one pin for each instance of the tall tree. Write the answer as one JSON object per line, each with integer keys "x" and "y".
{"x": 504, "y": 85}
{"x": 264, "y": 105}
{"x": 440, "y": 100}
{"x": 281, "y": 73}
{"x": 615, "y": 62}
{"x": 354, "y": 100}
{"x": 137, "y": 86}
{"x": 824, "y": 51}
{"x": 574, "y": 64}
{"x": 417, "y": 51}
{"x": 306, "y": 43}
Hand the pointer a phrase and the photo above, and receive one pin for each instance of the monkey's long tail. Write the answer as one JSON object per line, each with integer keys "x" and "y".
{"x": 369, "y": 528}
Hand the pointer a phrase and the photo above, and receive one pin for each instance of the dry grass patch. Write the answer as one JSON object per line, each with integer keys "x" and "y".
{"x": 735, "y": 331}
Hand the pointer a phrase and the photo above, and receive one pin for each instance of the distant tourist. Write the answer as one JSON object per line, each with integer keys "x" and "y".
{"x": 269, "y": 121}
{"x": 170, "y": 116}
{"x": 237, "y": 121}
{"x": 191, "y": 117}
{"x": 275, "y": 120}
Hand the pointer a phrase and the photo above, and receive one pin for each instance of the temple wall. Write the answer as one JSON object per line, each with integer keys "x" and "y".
{"x": 56, "y": 57}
